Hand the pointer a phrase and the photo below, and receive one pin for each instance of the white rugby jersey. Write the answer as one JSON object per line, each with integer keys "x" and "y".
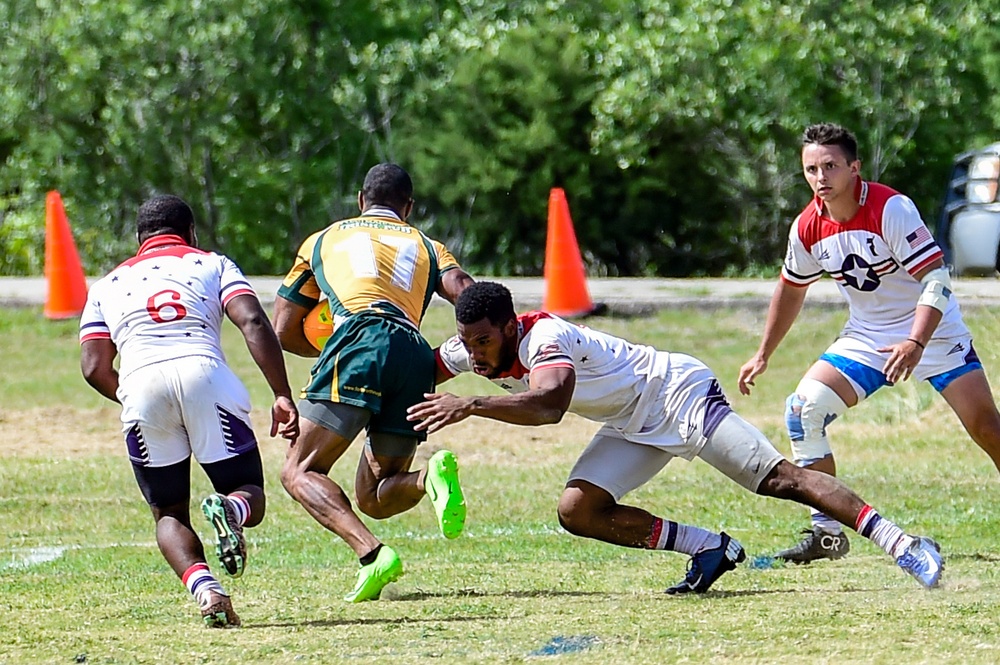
{"x": 166, "y": 302}
{"x": 612, "y": 375}
{"x": 872, "y": 258}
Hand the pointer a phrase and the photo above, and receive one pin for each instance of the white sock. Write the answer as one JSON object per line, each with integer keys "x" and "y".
{"x": 882, "y": 532}
{"x": 667, "y": 535}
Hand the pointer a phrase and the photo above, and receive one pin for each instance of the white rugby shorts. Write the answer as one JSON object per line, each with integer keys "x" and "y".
{"x": 737, "y": 449}
{"x": 619, "y": 462}
{"x": 940, "y": 356}
{"x": 176, "y": 408}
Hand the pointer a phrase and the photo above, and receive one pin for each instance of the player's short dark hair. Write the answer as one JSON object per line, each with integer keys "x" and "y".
{"x": 827, "y": 133}
{"x": 164, "y": 214}
{"x": 485, "y": 300}
{"x": 388, "y": 185}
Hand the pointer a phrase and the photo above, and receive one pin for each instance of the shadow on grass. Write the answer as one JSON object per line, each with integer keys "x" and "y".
{"x": 749, "y": 593}
{"x": 715, "y": 594}
{"x": 474, "y": 593}
{"x": 974, "y": 556}
{"x": 329, "y": 623}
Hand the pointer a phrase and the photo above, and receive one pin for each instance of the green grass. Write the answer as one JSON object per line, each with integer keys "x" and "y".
{"x": 514, "y": 581}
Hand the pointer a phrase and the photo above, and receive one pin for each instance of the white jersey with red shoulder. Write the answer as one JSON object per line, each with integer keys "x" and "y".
{"x": 872, "y": 257}
{"x": 166, "y": 302}
{"x": 611, "y": 373}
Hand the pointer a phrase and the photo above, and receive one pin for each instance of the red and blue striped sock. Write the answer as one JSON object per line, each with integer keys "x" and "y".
{"x": 200, "y": 581}
{"x": 882, "y": 532}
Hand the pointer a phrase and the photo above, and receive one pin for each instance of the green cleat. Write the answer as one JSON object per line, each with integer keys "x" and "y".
{"x": 372, "y": 578}
{"x": 232, "y": 547}
{"x": 442, "y": 486}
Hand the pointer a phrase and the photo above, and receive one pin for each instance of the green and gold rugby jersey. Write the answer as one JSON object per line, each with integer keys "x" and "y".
{"x": 373, "y": 263}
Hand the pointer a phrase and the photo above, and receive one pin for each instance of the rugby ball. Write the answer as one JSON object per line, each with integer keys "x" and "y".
{"x": 318, "y": 325}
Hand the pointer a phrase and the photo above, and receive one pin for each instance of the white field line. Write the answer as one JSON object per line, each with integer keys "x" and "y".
{"x": 26, "y": 557}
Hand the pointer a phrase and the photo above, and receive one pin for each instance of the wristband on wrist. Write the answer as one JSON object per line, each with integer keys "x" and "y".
{"x": 910, "y": 339}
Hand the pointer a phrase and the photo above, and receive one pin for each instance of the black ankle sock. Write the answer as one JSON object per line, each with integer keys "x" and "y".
{"x": 370, "y": 557}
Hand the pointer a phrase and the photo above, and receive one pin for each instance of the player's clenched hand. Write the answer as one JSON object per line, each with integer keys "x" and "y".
{"x": 439, "y": 410}
{"x": 903, "y": 357}
{"x": 284, "y": 418}
{"x": 751, "y": 369}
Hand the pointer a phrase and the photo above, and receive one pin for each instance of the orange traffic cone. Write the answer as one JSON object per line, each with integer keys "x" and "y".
{"x": 565, "y": 282}
{"x": 67, "y": 293}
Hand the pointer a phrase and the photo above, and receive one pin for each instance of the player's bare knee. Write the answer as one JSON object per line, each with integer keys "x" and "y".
{"x": 178, "y": 511}
{"x": 783, "y": 482}
{"x": 291, "y": 475}
{"x": 581, "y": 506}
{"x": 369, "y": 504}
{"x": 572, "y": 511}
{"x": 572, "y": 519}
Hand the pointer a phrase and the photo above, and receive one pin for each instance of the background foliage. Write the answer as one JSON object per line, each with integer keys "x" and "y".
{"x": 673, "y": 126}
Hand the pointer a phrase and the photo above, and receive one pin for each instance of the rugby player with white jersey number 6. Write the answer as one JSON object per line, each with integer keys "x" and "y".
{"x": 161, "y": 312}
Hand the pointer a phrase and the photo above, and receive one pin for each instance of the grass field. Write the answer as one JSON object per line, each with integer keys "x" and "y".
{"x": 82, "y": 579}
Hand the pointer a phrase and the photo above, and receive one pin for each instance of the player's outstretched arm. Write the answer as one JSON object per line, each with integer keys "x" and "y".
{"x": 786, "y": 303}
{"x": 288, "y": 318}
{"x": 544, "y": 403}
{"x": 97, "y": 357}
{"x": 245, "y": 311}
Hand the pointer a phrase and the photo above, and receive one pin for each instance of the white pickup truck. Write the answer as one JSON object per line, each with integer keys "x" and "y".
{"x": 969, "y": 226}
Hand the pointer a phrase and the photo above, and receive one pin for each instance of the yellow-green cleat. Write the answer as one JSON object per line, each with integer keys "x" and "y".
{"x": 442, "y": 486}
{"x": 372, "y": 578}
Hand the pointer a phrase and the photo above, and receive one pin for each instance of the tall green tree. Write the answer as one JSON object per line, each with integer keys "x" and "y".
{"x": 673, "y": 127}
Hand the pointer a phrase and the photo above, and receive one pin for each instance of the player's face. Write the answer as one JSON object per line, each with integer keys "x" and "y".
{"x": 828, "y": 172}
{"x": 492, "y": 348}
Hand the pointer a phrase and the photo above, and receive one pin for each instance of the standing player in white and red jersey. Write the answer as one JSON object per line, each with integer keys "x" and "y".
{"x": 903, "y": 319}
{"x": 161, "y": 311}
{"x": 655, "y": 406}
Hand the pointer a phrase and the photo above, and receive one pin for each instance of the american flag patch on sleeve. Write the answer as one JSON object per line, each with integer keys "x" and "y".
{"x": 918, "y": 237}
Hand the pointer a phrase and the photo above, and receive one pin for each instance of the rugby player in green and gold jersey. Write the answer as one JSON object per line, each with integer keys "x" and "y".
{"x": 379, "y": 275}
